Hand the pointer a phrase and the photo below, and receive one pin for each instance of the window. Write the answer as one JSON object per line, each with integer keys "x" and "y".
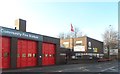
{"x": 81, "y": 54}
{"x": 90, "y": 57}
{"x": 66, "y": 44}
{"x": 94, "y": 54}
{"x": 5, "y": 54}
{"x": 50, "y": 55}
{"x": 43, "y": 55}
{"x": 46, "y": 55}
{"x": 23, "y": 55}
{"x": 77, "y": 54}
{"x": 63, "y": 54}
{"x": 78, "y": 42}
{"x": 18, "y": 55}
{"x": 89, "y": 44}
{"x": 29, "y": 55}
{"x": 97, "y": 55}
{"x": 73, "y": 57}
{"x": 34, "y": 55}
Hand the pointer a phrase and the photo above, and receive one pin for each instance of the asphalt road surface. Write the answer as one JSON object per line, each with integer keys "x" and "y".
{"x": 110, "y": 66}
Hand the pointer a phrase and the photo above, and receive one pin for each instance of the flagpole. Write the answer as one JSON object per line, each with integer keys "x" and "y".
{"x": 69, "y": 42}
{"x": 72, "y": 30}
{"x": 72, "y": 44}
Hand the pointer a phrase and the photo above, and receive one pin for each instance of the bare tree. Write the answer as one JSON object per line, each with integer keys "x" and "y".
{"x": 75, "y": 34}
{"x": 110, "y": 38}
{"x": 62, "y": 36}
{"x": 68, "y": 35}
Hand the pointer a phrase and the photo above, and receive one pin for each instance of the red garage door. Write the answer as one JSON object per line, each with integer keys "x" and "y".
{"x": 52, "y": 54}
{"x": 44, "y": 54}
{"x": 26, "y": 53}
{"x": 5, "y": 52}
{"x": 32, "y": 51}
{"x": 48, "y": 54}
{"x": 22, "y": 53}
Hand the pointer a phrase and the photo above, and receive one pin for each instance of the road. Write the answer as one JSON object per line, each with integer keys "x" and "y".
{"x": 110, "y": 66}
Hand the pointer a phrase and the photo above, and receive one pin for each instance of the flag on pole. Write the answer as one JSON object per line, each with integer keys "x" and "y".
{"x": 72, "y": 28}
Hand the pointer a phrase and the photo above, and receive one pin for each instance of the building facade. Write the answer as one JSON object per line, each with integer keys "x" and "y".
{"x": 84, "y": 46}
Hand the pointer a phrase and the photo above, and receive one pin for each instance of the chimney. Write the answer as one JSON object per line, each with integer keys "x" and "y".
{"x": 20, "y": 24}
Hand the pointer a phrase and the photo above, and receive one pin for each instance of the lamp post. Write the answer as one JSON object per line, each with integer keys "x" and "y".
{"x": 109, "y": 41}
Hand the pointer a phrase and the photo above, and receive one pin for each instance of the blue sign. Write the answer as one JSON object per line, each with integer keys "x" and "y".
{"x": 19, "y": 34}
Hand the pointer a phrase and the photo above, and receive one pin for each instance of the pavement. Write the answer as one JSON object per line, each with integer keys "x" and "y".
{"x": 109, "y": 66}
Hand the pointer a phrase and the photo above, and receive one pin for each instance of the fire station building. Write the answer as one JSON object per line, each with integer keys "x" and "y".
{"x": 20, "y": 49}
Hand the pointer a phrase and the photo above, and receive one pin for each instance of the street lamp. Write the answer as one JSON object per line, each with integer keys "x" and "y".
{"x": 109, "y": 41}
